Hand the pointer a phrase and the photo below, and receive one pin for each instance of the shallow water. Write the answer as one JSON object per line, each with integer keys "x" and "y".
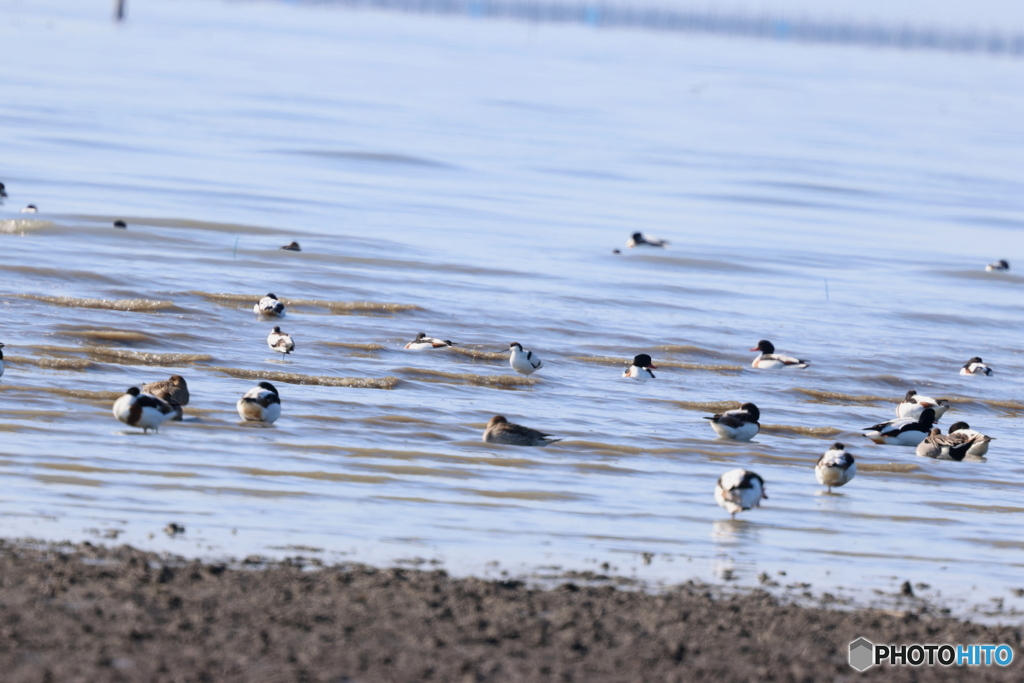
{"x": 470, "y": 180}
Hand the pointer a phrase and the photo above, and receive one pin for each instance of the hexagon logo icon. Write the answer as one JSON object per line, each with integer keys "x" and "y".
{"x": 862, "y": 654}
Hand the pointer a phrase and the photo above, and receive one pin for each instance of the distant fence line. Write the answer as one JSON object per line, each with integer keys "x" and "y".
{"x": 664, "y": 19}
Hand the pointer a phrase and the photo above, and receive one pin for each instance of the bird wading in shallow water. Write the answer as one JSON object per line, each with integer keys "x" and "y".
{"x": 836, "y": 467}
{"x": 145, "y": 411}
{"x": 739, "y": 490}
{"x": 280, "y": 341}
{"x": 260, "y": 404}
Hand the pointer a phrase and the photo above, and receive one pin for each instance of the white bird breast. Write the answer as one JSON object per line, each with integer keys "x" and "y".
{"x": 745, "y": 432}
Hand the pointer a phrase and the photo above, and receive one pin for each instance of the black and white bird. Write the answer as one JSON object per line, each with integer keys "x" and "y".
{"x": 975, "y": 366}
{"x": 294, "y": 246}
{"x": 980, "y": 445}
{"x": 997, "y": 266}
{"x": 269, "y": 305}
{"x": 913, "y": 405}
{"x": 1, "y": 360}
{"x": 31, "y": 208}
{"x": 739, "y": 490}
{"x": 637, "y": 239}
{"x": 173, "y": 391}
{"x": 522, "y": 361}
{"x": 954, "y": 446}
{"x": 767, "y": 359}
{"x": 903, "y": 431}
{"x": 422, "y": 341}
{"x": 836, "y": 467}
{"x": 280, "y": 341}
{"x": 738, "y": 425}
{"x": 3, "y": 190}
{"x": 260, "y": 404}
{"x": 500, "y": 430}
{"x": 641, "y": 367}
{"x": 146, "y": 411}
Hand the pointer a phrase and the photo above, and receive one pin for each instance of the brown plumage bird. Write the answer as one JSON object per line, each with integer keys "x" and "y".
{"x": 500, "y": 430}
{"x": 174, "y": 391}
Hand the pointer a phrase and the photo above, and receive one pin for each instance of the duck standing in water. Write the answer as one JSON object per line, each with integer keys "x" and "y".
{"x": 738, "y": 425}
{"x": 146, "y": 411}
{"x": 422, "y": 341}
{"x": 523, "y": 362}
{"x": 173, "y": 391}
{"x": 769, "y": 360}
{"x": 280, "y": 341}
{"x": 836, "y": 467}
{"x": 739, "y": 490}
{"x": 262, "y": 403}
{"x": 269, "y": 305}
{"x": 914, "y": 404}
{"x": 903, "y": 431}
{"x": 976, "y": 367}
{"x": 637, "y": 239}
{"x": 500, "y": 430}
{"x": 641, "y": 367}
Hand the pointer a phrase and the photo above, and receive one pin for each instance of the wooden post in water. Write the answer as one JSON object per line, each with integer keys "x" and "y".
{"x": 119, "y": 10}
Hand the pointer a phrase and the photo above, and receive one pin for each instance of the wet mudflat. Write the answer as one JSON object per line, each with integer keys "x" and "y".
{"x": 87, "y": 613}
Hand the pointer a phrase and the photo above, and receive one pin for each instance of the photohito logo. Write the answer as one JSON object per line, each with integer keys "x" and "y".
{"x": 864, "y": 654}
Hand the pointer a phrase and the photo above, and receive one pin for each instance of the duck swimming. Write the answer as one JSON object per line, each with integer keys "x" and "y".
{"x": 997, "y": 266}
{"x": 262, "y": 403}
{"x": 836, "y": 467}
{"x": 769, "y": 360}
{"x": 641, "y": 367}
{"x": 638, "y": 240}
{"x": 913, "y": 405}
{"x": 269, "y": 305}
{"x": 523, "y": 362}
{"x": 422, "y": 341}
{"x": 976, "y": 367}
{"x": 739, "y": 490}
{"x": 31, "y": 208}
{"x": 903, "y": 431}
{"x": 294, "y": 246}
{"x": 120, "y": 224}
{"x": 1, "y": 360}
{"x": 738, "y": 425}
{"x": 500, "y": 430}
{"x": 146, "y": 411}
{"x": 280, "y": 341}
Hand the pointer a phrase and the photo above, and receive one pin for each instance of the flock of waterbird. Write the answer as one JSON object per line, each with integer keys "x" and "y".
{"x": 735, "y": 491}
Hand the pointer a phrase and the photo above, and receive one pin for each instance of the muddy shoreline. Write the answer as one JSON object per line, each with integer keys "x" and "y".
{"x": 90, "y": 613}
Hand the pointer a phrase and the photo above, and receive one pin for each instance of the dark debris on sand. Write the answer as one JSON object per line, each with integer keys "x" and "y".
{"x": 84, "y": 613}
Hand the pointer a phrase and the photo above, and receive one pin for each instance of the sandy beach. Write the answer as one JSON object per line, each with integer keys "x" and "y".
{"x": 88, "y": 613}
